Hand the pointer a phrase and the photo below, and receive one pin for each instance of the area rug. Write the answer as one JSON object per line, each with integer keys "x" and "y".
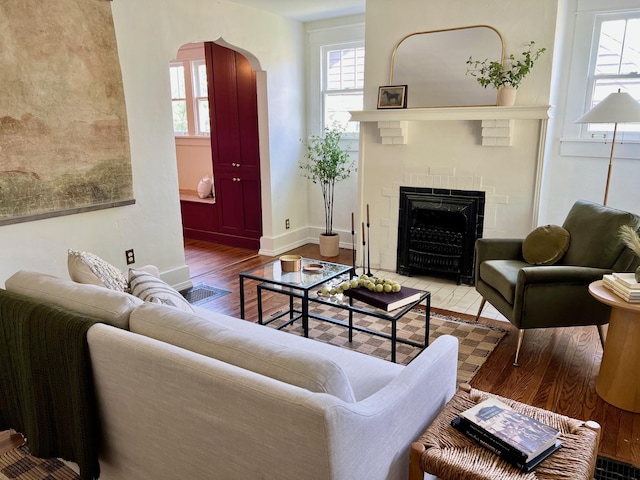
{"x": 200, "y": 294}
{"x": 475, "y": 341}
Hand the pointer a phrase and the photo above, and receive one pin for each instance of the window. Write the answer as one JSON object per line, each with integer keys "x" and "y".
{"x": 178, "y": 99}
{"x": 189, "y": 97}
{"x": 342, "y": 84}
{"x": 201, "y": 98}
{"x": 615, "y": 64}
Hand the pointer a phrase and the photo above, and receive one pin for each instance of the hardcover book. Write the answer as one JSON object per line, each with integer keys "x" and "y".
{"x": 627, "y": 279}
{"x": 521, "y": 435}
{"x": 501, "y": 449}
{"x": 385, "y": 301}
{"x": 626, "y": 293}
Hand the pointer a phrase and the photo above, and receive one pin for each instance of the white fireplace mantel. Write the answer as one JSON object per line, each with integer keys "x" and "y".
{"x": 497, "y": 122}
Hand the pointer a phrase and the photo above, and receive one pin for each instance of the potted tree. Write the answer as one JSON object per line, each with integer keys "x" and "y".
{"x": 505, "y": 76}
{"x": 325, "y": 164}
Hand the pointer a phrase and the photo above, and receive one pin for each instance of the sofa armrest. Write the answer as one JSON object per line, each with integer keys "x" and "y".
{"x": 498, "y": 249}
{"x": 567, "y": 274}
{"x": 558, "y": 296}
{"x": 402, "y": 411}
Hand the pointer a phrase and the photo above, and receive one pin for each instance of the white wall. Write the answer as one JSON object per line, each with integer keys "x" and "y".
{"x": 449, "y": 154}
{"x": 577, "y": 169}
{"x": 149, "y": 33}
{"x": 322, "y": 33}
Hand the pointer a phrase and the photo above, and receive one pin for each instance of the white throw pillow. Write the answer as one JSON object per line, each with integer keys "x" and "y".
{"x": 89, "y": 268}
{"x": 150, "y": 288}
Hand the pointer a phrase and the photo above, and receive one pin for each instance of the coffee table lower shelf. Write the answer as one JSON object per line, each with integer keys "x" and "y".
{"x": 295, "y": 314}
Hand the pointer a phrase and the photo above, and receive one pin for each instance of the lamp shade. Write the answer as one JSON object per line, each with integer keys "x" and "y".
{"x": 618, "y": 107}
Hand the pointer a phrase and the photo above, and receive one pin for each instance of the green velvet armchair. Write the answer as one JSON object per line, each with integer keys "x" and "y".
{"x": 543, "y": 296}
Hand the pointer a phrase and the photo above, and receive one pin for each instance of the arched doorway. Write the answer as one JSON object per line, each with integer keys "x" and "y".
{"x": 233, "y": 215}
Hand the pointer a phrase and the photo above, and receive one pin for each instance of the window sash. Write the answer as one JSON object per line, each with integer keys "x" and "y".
{"x": 615, "y": 64}
{"x": 342, "y": 84}
{"x": 200, "y": 97}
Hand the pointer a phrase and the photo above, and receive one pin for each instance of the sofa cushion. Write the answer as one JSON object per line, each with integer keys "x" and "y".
{"x": 366, "y": 374}
{"x": 149, "y": 288}
{"x": 502, "y": 275}
{"x": 294, "y": 366}
{"x": 89, "y": 268}
{"x": 545, "y": 245}
{"x": 109, "y": 306}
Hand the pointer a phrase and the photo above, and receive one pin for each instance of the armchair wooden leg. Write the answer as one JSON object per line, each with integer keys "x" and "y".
{"x": 480, "y": 309}
{"x": 520, "y": 338}
{"x": 602, "y": 330}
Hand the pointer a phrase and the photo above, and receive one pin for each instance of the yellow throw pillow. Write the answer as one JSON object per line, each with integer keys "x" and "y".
{"x": 545, "y": 245}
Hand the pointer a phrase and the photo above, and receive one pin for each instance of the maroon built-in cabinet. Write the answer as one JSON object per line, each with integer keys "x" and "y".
{"x": 236, "y": 216}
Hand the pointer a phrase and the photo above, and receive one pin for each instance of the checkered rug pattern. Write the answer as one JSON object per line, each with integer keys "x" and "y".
{"x": 18, "y": 464}
{"x": 476, "y": 342}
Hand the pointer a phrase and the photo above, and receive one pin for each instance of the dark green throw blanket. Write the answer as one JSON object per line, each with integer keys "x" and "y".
{"x": 46, "y": 381}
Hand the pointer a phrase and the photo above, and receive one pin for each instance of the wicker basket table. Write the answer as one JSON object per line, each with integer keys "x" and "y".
{"x": 450, "y": 455}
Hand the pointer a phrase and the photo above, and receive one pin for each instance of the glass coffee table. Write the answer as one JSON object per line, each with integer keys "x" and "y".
{"x": 297, "y": 284}
{"x": 304, "y": 286}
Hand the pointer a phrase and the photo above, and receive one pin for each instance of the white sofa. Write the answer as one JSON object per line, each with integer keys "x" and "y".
{"x": 208, "y": 396}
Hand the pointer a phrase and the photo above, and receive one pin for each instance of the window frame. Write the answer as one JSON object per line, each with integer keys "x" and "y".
{"x": 197, "y": 98}
{"x": 572, "y": 90}
{"x": 332, "y": 33}
{"x": 324, "y": 83}
{"x": 193, "y": 125}
{"x": 595, "y": 130}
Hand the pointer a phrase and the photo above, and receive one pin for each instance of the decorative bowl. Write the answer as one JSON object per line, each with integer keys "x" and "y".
{"x": 290, "y": 263}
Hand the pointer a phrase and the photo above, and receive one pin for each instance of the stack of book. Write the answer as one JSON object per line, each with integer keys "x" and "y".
{"x": 517, "y": 438}
{"x": 624, "y": 285}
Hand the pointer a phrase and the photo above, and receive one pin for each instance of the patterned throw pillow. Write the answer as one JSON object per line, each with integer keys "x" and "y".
{"x": 150, "y": 288}
{"x": 89, "y": 268}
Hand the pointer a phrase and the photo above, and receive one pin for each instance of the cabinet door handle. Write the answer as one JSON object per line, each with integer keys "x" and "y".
{"x": 236, "y": 179}
{"x": 237, "y": 165}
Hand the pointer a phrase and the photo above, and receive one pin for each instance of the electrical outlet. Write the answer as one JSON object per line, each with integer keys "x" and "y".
{"x": 130, "y": 256}
{"x": 287, "y": 224}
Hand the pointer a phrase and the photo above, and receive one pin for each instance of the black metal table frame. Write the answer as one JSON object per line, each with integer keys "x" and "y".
{"x": 304, "y": 315}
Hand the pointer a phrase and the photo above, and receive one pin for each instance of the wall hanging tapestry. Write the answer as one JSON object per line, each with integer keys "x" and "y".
{"x": 64, "y": 141}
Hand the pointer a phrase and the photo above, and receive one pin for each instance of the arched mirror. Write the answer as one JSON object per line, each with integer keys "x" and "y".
{"x": 433, "y": 66}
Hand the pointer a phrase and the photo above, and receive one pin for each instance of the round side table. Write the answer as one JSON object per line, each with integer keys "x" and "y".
{"x": 619, "y": 377}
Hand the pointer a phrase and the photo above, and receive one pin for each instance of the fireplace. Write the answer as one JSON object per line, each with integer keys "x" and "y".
{"x": 437, "y": 231}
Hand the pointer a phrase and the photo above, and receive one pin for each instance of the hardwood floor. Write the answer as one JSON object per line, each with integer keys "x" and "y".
{"x": 558, "y": 367}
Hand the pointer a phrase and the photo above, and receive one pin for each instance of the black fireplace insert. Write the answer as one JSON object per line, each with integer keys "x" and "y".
{"x": 437, "y": 231}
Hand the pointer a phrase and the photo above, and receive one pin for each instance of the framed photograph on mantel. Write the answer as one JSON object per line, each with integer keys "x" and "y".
{"x": 392, "y": 96}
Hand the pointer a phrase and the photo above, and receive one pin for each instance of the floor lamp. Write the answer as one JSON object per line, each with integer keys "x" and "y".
{"x": 618, "y": 107}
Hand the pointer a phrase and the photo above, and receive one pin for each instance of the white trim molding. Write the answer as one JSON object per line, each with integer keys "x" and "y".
{"x": 497, "y": 122}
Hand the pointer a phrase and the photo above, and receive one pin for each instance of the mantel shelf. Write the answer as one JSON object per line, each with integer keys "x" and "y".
{"x": 516, "y": 112}
{"x": 497, "y": 122}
